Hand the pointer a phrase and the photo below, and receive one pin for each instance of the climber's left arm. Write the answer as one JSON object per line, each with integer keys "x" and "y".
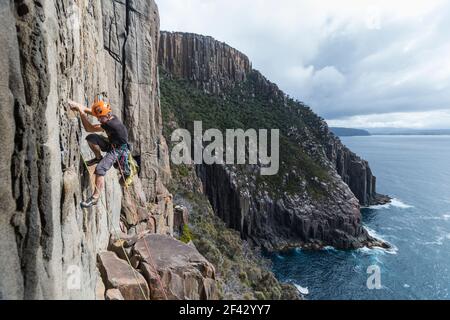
{"x": 79, "y": 107}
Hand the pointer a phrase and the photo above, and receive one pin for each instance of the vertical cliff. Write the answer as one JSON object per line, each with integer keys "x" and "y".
{"x": 313, "y": 200}
{"x": 52, "y": 51}
{"x": 209, "y": 64}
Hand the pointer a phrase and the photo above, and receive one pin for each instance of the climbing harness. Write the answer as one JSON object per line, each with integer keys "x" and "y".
{"x": 126, "y": 161}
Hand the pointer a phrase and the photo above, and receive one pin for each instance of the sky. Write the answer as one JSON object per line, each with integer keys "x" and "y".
{"x": 357, "y": 63}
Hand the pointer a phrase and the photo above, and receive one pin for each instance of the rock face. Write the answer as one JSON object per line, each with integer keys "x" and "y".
{"x": 210, "y": 64}
{"x": 130, "y": 41}
{"x": 52, "y": 51}
{"x": 114, "y": 294}
{"x": 180, "y": 218}
{"x": 288, "y": 218}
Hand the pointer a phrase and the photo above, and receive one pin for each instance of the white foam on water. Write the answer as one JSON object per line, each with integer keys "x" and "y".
{"x": 400, "y": 204}
{"x": 439, "y": 240}
{"x": 373, "y": 233}
{"x": 301, "y": 289}
{"x": 357, "y": 268}
{"x": 377, "y": 250}
{"x": 397, "y": 203}
{"x": 329, "y": 248}
{"x": 365, "y": 250}
{"x": 444, "y": 217}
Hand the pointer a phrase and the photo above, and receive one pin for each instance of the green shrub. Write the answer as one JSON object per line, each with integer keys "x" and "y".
{"x": 186, "y": 235}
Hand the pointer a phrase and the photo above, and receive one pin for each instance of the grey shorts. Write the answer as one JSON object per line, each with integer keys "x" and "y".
{"x": 108, "y": 159}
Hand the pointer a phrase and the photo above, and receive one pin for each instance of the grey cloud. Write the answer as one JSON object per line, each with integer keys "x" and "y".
{"x": 337, "y": 65}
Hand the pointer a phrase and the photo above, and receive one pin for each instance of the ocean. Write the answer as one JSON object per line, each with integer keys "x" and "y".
{"x": 415, "y": 172}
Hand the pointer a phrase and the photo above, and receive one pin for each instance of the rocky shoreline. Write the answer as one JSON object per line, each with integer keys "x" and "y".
{"x": 379, "y": 199}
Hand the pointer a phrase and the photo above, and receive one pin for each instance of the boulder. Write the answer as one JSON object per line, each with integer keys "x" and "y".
{"x": 175, "y": 270}
{"x": 120, "y": 249}
{"x": 114, "y": 294}
{"x": 118, "y": 274}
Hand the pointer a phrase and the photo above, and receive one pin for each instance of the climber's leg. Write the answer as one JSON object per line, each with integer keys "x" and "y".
{"x": 96, "y": 149}
{"x": 97, "y": 144}
{"x": 93, "y": 199}
{"x": 100, "y": 171}
{"x": 99, "y": 183}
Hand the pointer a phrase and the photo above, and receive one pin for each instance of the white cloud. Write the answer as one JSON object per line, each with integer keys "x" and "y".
{"x": 343, "y": 58}
{"x": 413, "y": 120}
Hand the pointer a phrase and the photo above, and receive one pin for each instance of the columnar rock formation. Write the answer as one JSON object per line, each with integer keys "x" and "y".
{"x": 210, "y": 64}
{"x": 355, "y": 172}
{"x": 52, "y": 51}
{"x": 286, "y": 219}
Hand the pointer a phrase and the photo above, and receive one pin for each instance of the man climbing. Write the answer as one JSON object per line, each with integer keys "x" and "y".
{"x": 115, "y": 145}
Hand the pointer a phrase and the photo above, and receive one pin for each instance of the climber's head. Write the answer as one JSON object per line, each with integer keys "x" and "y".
{"x": 101, "y": 109}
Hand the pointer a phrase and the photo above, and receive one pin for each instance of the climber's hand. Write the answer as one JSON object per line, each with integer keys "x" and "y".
{"x": 73, "y": 105}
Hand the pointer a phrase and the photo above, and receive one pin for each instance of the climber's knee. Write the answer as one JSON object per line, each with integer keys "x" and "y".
{"x": 99, "y": 140}
{"x": 101, "y": 172}
{"x": 92, "y": 138}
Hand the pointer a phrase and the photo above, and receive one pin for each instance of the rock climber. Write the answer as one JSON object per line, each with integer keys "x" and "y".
{"x": 113, "y": 145}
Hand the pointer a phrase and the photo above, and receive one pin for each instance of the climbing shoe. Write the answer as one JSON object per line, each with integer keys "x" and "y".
{"x": 93, "y": 161}
{"x": 92, "y": 201}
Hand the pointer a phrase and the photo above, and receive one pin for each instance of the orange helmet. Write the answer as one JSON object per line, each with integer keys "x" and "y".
{"x": 100, "y": 108}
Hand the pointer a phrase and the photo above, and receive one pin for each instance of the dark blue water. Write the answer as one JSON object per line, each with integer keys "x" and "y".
{"x": 415, "y": 171}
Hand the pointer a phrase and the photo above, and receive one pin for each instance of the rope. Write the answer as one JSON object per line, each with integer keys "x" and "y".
{"x": 117, "y": 234}
{"x": 145, "y": 242}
